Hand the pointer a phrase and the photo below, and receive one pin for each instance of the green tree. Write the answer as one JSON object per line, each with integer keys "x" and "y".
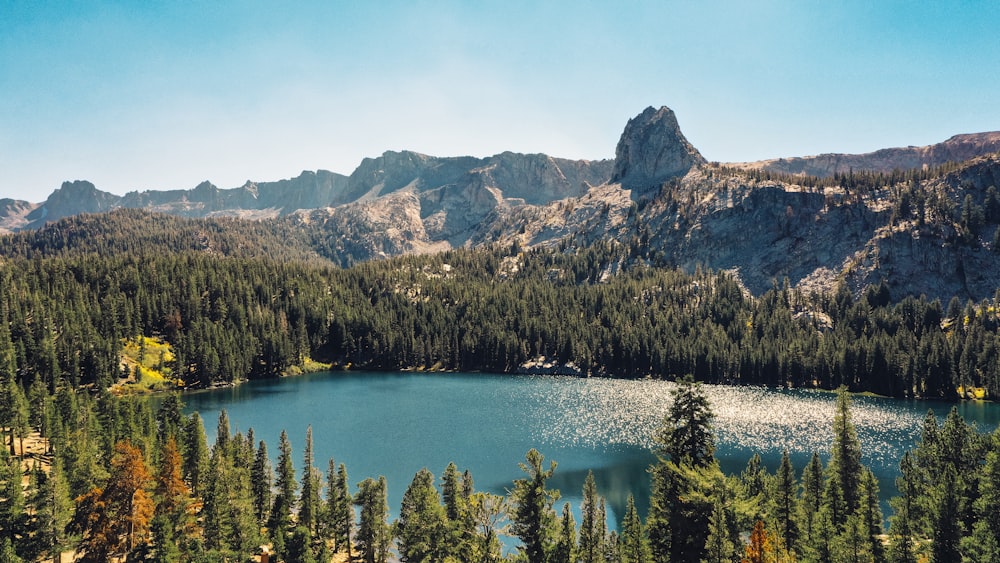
{"x": 374, "y": 535}
{"x": 261, "y": 478}
{"x": 947, "y": 525}
{"x": 904, "y": 506}
{"x": 300, "y": 548}
{"x": 340, "y": 509}
{"x": 565, "y": 548}
{"x": 533, "y": 519}
{"x": 632, "y": 542}
{"x": 285, "y": 485}
{"x": 592, "y": 529}
{"x": 783, "y": 501}
{"x": 719, "y": 546}
{"x": 309, "y": 501}
{"x": 685, "y": 434}
{"x": 422, "y": 526}
{"x": 845, "y": 455}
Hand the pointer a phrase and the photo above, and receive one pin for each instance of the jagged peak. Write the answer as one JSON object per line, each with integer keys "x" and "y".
{"x": 652, "y": 149}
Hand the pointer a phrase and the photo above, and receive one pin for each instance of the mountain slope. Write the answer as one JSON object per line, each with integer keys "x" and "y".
{"x": 956, "y": 149}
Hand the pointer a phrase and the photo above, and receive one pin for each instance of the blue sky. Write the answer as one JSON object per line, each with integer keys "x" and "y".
{"x": 163, "y": 95}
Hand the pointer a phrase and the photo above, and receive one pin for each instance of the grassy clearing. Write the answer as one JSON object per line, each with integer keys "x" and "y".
{"x": 148, "y": 362}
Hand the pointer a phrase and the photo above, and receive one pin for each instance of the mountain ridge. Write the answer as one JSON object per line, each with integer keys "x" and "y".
{"x": 932, "y": 229}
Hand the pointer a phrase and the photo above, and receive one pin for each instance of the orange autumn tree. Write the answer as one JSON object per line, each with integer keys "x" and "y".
{"x": 174, "y": 499}
{"x": 765, "y": 547}
{"x": 115, "y": 520}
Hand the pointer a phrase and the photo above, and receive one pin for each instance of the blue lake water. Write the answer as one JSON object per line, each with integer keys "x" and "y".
{"x": 393, "y": 424}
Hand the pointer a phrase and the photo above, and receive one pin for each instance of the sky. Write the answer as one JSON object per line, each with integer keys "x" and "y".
{"x": 163, "y": 95}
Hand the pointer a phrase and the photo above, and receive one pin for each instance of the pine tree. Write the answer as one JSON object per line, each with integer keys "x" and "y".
{"x": 11, "y": 496}
{"x": 532, "y": 518}
{"x": 947, "y": 526}
{"x": 591, "y": 529}
{"x": 116, "y": 519}
{"x": 195, "y": 454}
{"x": 175, "y": 505}
{"x": 261, "y": 478}
{"x": 870, "y": 514}
{"x": 685, "y": 434}
{"x": 845, "y": 457}
{"x": 373, "y": 535}
{"x": 904, "y": 506}
{"x": 309, "y": 502}
{"x": 565, "y": 548}
{"x": 285, "y": 485}
{"x": 784, "y": 502}
{"x": 633, "y": 545}
{"x": 450, "y": 492}
{"x": 422, "y": 525}
{"x": 984, "y": 543}
{"x": 719, "y": 547}
{"x": 340, "y": 510}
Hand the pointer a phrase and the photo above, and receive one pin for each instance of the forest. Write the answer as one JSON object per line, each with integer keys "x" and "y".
{"x": 117, "y": 481}
{"x": 602, "y": 310}
{"x": 87, "y": 470}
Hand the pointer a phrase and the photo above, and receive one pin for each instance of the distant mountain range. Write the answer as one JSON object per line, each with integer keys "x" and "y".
{"x": 919, "y": 218}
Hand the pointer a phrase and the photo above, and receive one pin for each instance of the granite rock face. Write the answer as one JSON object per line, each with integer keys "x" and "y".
{"x": 652, "y": 150}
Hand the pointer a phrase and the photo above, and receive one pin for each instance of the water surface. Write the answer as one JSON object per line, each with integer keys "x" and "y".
{"x": 393, "y": 424}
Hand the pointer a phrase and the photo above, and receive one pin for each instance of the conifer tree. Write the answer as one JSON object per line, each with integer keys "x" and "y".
{"x": 195, "y": 454}
{"x": 565, "y": 548}
{"x": 784, "y": 502}
{"x": 309, "y": 501}
{"x": 285, "y": 485}
{"x": 591, "y": 529}
{"x": 11, "y": 496}
{"x": 633, "y": 546}
{"x": 533, "y": 519}
{"x": 373, "y": 535}
{"x": 116, "y": 519}
{"x": 845, "y": 457}
{"x": 719, "y": 547}
{"x": 261, "y": 478}
{"x": 340, "y": 510}
{"x": 686, "y": 434}
{"x": 904, "y": 506}
{"x": 422, "y": 525}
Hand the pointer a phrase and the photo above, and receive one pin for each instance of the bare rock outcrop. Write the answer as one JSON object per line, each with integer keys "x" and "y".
{"x": 652, "y": 149}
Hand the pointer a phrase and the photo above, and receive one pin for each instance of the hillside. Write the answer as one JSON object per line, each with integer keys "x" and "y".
{"x": 923, "y": 219}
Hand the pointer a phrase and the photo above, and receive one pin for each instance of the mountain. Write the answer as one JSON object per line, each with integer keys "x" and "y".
{"x": 956, "y": 149}
{"x": 921, "y": 220}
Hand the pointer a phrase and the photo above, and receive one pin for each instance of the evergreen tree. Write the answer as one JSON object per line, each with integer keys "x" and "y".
{"x": 422, "y": 525}
{"x": 373, "y": 536}
{"x": 845, "y": 456}
{"x": 340, "y": 510}
{"x": 947, "y": 526}
{"x": 300, "y": 546}
{"x": 195, "y": 454}
{"x": 902, "y": 527}
{"x": 783, "y": 501}
{"x": 592, "y": 530}
{"x": 285, "y": 485}
{"x": 984, "y": 543}
{"x": 309, "y": 501}
{"x": 450, "y": 491}
{"x": 633, "y": 545}
{"x": 116, "y": 519}
{"x": 565, "y": 548}
{"x": 261, "y": 478}
{"x": 11, "y": 496}
{"x": 686, "y": 434}
{"x": 532, "y": 517}
{"x": 719, "y": 547}
{"x": 869, "y": 514}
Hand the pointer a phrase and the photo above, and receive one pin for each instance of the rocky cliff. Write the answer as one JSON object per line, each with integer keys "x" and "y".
{"x": 927, "y": 230}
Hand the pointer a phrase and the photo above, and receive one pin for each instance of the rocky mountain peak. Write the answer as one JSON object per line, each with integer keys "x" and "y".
{"x": 652, "y": 149}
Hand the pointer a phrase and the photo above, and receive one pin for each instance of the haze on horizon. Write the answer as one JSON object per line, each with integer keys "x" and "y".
{"x": 137, "y": 96}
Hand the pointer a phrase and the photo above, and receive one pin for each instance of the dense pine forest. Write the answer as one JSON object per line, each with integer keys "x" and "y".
{"x": 200, "y": 304}
{"x": 608, "y": 309}
{"x": 109, "y": 479}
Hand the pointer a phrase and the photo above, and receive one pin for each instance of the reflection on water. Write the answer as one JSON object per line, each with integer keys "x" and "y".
{"x": 394, "y": 424}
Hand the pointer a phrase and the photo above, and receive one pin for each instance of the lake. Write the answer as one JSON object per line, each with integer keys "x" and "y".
{"x": 393, "y": 424}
